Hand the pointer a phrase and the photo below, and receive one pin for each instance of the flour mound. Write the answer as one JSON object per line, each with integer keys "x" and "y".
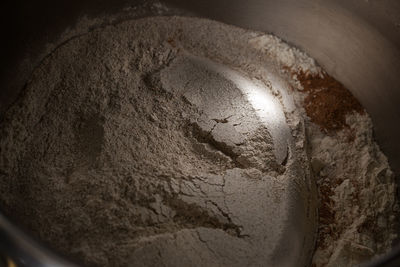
{"x": 148, "y": 143}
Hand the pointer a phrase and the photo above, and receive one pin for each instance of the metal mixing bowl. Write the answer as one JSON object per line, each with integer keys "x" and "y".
{"x": 356, "y": 41}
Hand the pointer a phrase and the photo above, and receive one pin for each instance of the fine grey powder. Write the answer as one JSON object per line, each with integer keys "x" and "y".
{"x": 135, "y": 145}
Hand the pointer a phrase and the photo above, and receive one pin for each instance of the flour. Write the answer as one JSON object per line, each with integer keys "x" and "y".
{"x": 356, "y": 186}
{"x": 284, "y": 55}
{"x": 362, "y": 195}
{"x": 143, "y": 143}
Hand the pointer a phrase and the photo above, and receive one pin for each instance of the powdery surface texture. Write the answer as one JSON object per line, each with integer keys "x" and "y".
{"x": 113, "y": 162}
{"x": 130, "y": 147}
{"x": 357, "y": 189}
{"x": 361, "y": 199}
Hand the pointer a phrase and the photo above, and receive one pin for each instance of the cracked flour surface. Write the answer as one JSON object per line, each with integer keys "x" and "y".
{"x": 165, "y": 141}
{"x": 134, "y": 145}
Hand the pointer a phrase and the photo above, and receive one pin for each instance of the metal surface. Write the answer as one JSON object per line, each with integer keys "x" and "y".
{"x": 356, "y": 41}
